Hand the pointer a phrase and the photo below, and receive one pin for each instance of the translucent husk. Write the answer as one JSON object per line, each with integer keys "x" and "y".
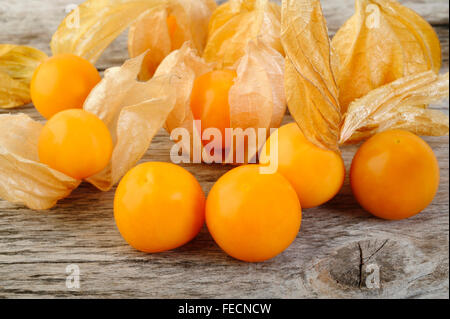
{"x": 235, "y": 23}
{"x": 140, "y": 40}
{"x": 321, "y": 109}
{"x": 151, "y": 32}
{"x": 13, "y": 93}
{"x": 23, "y": 179}
{"x": 88, "y": 30}
{"x": 256, "y": 99}
{"x": 382, "y": 42}
{"x": 133, "y": 112}
{"x": 311, "y": 88}
{"x": 17, "y": 65}
{"x": 399, "y": 105}
{"x": 414, "y": 119}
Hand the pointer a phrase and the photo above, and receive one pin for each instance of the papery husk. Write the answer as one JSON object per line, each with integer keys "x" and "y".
{"x": 235, "y": 23}
{"x": 192, "y": 17}
{"x": 417, "y": 120}
{"x": 184, "y": 65}
{"x": 133, "y": 111}
{"x": 311, "y": 88}
{"x": 19, "y": 61}
{"x": 17, "y": 65}
{"x": 150, "y": 31}
{"x": 256, "y": 99}
{"x": 13, "y": 93}
{"x": 399, "y": 105}
{"x": 23, "y": 179}
{"x": 100, "y": 23}
{"x": 372, "y": 55}
{"x": 159, "y": 43}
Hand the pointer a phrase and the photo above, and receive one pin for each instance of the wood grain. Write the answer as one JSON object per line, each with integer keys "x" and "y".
{"x": 329, "y": 258}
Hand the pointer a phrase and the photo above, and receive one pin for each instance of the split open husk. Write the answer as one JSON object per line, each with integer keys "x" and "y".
{"x": 235, "y": 23}
{"x": 88, "y": 30}
{"x": 382, "y": 42}
{"x": 311, "y": 88}
{"x": 17, "y": 65}
{"x": 319, "y": 104}
{"x": 256, "y": 99}
{"x": 151, "y": 31}
{"x": 399, "y": 105}
{"x": 23, "y": 179}
{"x": 133, "y": 112}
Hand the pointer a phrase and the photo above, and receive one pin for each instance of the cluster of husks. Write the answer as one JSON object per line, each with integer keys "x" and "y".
{"x": 379, "y": 72}
{"x": 369, "y": 78}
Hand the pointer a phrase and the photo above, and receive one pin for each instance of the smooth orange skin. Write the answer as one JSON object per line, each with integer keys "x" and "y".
{"x": 62, "y": 82}
{"x": 317, "y": 175}
{"x": 209, "y": 100}
{"x": 395, "y": 175}
{"x": 251, "y": 216}
{"x": 159, "y": 207}
{"x": 76, "y": 143}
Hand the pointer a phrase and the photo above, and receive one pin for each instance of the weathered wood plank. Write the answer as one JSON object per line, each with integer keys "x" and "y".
{"x": 324, "y": 261}
{"x": 337, "y": 244}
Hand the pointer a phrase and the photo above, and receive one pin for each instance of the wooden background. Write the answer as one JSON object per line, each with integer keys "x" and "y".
{"x": 327, "y": 260}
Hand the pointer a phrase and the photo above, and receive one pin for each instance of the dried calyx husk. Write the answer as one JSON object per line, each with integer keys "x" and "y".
{"x": 23, "y": 179}
{"x": 133, "y": 111}
{"x": 256, "y": 99}
{"x": 95, "y": 24}
{"x": 398, "y": 105}
{"x": 17, "y": 65}
{"x": 165, "y": 28}
{"x": 324, "y": 108}
{"x": 133, "y": 108}
{"x": 235, "y": 23}
{"x": 311, "y": 88}
{"x": 382, "y": 42}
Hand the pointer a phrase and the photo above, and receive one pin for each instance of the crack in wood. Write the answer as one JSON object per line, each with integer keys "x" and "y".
{"x": 361, "y": 264}
{"x": 363, "y": 261}
{"x": 378, "y": 250}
